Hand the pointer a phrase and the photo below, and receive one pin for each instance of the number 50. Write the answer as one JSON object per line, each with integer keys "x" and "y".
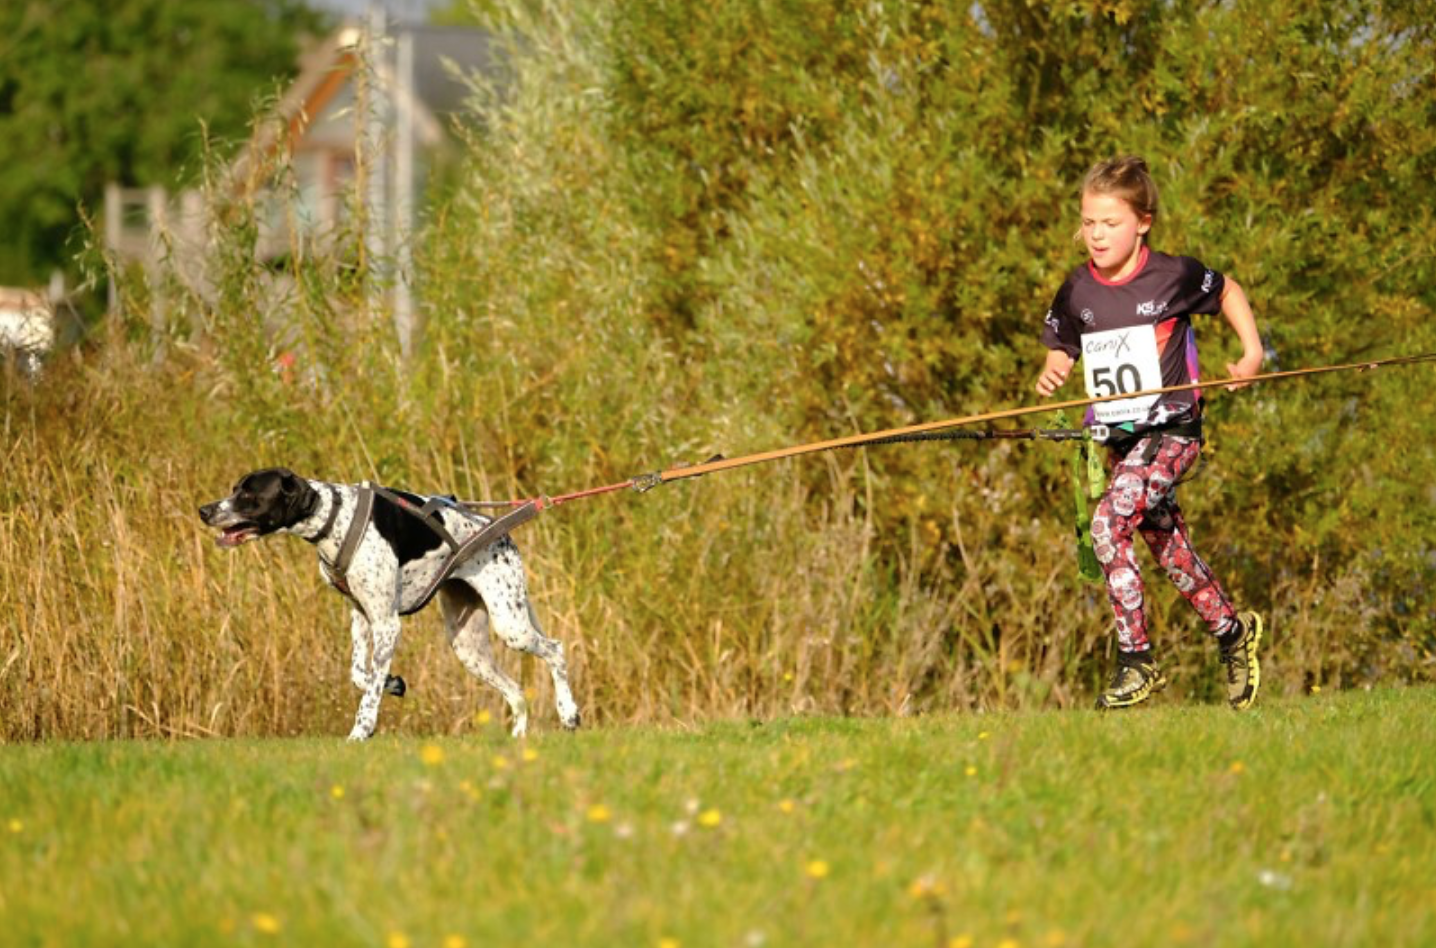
{"x": 1120, "y": 380}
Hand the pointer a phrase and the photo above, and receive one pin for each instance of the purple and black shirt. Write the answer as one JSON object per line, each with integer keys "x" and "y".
{"x": 1136, "y": 334}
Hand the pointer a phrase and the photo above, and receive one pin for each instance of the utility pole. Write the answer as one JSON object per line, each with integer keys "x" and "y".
{"x": 376, "y": 234}
{"x": 403, "y": 207}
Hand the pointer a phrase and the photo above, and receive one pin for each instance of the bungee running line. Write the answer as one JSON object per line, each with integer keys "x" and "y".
{"x": 853, "y": 441}
{"x": 937, "y": 430}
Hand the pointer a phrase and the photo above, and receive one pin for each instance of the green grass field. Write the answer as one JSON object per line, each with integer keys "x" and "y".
{"x": 1305, "y": 822}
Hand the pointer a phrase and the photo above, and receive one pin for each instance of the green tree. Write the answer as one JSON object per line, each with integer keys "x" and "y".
{"x": 840, "y": 217}
{"x": 94, "y": 91}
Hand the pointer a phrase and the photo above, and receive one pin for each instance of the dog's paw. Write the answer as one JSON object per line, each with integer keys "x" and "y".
{"x": 568, "y": 713}
{"x": 357, "y": 735}
{"x": 394, "y": 685}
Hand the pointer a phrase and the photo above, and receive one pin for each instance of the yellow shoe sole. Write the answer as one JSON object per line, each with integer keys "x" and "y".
{"x": 1108, "y": 703}
{"x": 1253, "y": 621}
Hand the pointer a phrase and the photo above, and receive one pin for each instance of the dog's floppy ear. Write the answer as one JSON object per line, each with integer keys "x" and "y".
{"x": 298, "y": 497}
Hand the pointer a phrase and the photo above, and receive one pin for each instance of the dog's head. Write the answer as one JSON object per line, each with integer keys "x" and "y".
{"x": 262, "y": 502}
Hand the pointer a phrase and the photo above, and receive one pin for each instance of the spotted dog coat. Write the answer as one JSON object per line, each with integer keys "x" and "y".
{"x": 396, "y": 560}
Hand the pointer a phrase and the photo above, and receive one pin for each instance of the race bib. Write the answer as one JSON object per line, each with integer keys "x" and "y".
{"x": 1119, "y": 361}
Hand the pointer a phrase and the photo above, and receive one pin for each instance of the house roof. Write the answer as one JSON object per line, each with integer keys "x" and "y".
{"x": 327, "y": 70}
{"x": 438, "y": 91}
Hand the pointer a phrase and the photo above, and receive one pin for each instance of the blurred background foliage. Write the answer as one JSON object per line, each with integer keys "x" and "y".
{"x": 690, "y": 227}
{"x": 96, "y": 92}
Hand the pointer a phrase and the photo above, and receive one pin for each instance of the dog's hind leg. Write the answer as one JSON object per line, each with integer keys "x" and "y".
{"x": 467, "y": 623}
{"x": 516, "y": 624}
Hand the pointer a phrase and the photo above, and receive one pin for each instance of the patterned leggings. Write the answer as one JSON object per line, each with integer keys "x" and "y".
{"x": 1142, "y": 497}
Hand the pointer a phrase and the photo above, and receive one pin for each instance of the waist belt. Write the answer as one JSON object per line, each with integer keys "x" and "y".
{"x": 1123, "y": 442}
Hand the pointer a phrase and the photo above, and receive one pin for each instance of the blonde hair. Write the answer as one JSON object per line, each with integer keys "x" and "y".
{"x": 1127, "y": 178}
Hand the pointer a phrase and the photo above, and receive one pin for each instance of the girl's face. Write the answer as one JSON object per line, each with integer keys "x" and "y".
{"x": 1113, "y": 234}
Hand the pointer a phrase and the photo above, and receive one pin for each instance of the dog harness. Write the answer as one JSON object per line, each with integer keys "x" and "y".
{"x": 459, "y": 553}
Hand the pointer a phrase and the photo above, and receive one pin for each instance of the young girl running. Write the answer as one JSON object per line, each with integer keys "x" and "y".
{"x": 1126, "y": 314}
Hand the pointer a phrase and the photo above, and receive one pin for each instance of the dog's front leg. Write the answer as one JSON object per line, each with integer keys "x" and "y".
{"x": 386, "y": 638}
{"x": 359, "y": 662}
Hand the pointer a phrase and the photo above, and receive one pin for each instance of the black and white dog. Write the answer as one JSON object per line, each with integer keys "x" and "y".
{"x": 396, "y": 558}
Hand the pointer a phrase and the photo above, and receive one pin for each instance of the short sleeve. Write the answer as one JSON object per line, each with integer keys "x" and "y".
{"x": 1200, "y": 290}
{"x": 1060, "y": 329}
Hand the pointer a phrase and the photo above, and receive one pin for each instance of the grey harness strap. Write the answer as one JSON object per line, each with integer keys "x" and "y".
{"x": 364, "y": 506}
{"x": 458, "y": 552}
{"x": 328, "y": 527}
{"x": 492, "y": 531}
{"x": 425, "y": 513}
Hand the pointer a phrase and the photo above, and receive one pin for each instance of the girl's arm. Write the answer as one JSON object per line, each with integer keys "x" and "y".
{"x": 1239, "y": 314}
{"x": 1054, "y": 372}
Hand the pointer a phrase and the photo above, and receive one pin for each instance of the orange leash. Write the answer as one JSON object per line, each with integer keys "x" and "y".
{"x": 646, "y": 482}
{"x": 649, "y": 481}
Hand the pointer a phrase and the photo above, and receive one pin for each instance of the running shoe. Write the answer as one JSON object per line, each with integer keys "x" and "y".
{"x": 1240, "y": 657}
{"x": 1133, "y": 682}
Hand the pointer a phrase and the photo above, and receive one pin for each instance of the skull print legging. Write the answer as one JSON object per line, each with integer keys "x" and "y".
{"x": 1142, "y": 497}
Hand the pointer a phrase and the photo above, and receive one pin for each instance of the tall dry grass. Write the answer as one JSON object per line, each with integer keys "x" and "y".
{"x": 765, "y": 593}
{"x": 588, "y": 318}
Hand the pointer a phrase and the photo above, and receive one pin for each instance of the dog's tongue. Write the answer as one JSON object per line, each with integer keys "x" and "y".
{"x": 233, "y": 536}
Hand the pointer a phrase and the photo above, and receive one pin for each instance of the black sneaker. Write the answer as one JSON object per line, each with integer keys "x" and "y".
{"x": 1133, "y": 682}
{"x": 1240, "y": 657}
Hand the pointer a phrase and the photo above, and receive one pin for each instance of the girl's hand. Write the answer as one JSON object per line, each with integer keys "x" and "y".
{"x": 1050, "y": 381}
{"x": 1054, "y": 372}
{"x": 1245, "y": 369}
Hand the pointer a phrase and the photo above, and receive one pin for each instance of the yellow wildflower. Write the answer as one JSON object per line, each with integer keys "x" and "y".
{"x": 337, "y": 792}
{"x": 529, "y": 755}
{"x": 432, "y": 755}
{"x": 927, "y": 887}
{"x": 598, "y": 813}
{"x": 709, "y": 818}
{"x": 817, "y": 869}
{"x": 397, "y": 940}
{"x": 265, "y": 924}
